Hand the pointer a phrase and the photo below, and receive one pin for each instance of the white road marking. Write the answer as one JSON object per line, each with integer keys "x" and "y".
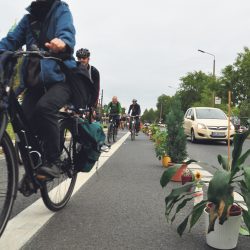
{"x": 27, "y": 223}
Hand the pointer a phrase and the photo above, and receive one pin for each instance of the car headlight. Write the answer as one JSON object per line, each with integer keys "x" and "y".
{"x": 231, "y": 127}
{"x": 201, "y": 126}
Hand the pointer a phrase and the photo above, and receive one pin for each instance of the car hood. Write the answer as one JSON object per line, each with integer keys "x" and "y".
{"x": 213, "y": 122}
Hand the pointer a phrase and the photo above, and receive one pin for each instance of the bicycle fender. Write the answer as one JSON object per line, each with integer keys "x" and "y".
{"x": 3, "y": 123}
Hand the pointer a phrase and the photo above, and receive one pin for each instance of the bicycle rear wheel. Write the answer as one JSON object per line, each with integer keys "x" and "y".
{"x": 57, "y": 192}
{"x": 8, "y": 179}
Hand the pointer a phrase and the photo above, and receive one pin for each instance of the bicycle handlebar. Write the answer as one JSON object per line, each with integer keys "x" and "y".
{"x": 43, "y": 54}
{"x": 133, "y": 116}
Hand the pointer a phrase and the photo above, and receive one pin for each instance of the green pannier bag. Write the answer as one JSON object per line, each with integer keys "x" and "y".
{"x": 90, "y": 140}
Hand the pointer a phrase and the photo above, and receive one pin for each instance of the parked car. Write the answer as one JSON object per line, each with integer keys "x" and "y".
{"x": 205, "y": 123}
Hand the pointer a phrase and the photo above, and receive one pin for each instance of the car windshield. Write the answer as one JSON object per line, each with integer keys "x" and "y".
{"x": 210, "y": 114}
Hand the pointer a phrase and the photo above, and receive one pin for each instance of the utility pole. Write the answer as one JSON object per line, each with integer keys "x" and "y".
{"x": 160, "y": 113}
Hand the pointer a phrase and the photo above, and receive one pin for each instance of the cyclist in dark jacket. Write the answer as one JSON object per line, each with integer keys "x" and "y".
{"x": 136, "y": 111}
{"x": 83, "y": 56}
{"x": 46, "y": 90}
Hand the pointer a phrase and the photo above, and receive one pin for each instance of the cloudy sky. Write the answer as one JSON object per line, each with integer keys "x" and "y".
{"x": 143, "y": 47}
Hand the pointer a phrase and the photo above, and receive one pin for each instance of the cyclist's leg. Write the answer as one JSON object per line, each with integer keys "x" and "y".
{"x": 31, "y": 97}
{"x": 117, "y": 120}
{"x": 46, "y": 118}
{"x": 137, "y": 124}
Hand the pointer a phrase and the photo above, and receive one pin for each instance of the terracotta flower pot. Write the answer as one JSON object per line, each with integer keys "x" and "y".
{"x": 179, "y": 173}
{"x": 224, "y": 236}
{"x": 185, "y": 179}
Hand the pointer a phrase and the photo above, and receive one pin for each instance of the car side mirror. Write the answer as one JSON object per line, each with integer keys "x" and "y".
{"x": 189, "y": 117}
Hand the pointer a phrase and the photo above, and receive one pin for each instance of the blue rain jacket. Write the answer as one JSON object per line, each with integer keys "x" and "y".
{"x": 60, "y": 26}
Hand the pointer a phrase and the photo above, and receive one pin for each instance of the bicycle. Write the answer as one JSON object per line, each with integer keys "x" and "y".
{"x": 55, "y": 192}
{"x": 112, "y": 129}
{"x": 133, "y": 127}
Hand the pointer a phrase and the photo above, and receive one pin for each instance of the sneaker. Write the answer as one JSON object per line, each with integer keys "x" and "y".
{"x": 53, "y": 169}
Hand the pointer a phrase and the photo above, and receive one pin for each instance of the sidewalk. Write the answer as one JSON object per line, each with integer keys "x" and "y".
{"x": 122, "y": 207}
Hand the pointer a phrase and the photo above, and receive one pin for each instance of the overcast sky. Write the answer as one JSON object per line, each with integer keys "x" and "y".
{"x": 141, "y": 47}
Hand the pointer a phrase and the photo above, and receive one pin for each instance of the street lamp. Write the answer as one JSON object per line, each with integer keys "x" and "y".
{"x": 202, "y": 51}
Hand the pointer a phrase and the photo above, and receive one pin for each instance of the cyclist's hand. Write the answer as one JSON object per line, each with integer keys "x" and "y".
{"x": 56, "y": 45}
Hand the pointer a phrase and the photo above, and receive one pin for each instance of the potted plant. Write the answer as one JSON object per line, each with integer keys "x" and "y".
{"x": 176, "y": 140}
{"x": 160, "y": 147}
{"x": 223, "y": 213}
{"x": 187, "y": 176}
{"x": 153, "y": 129}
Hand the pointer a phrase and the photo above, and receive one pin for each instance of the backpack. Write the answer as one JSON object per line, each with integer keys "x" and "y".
{"x": 82, "y": 88}
{"x": 89, "y": 142}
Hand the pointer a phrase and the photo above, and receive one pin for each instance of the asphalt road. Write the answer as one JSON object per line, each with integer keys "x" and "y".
{"x": 206, "y": 153}
{"x": 123, "y": 207}
{"x": 22, "y": 202}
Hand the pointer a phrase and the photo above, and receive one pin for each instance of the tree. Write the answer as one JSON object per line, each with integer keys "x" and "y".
{"x": 163, "y": 106}
{"x": 192, "y": 87}
{"x": 149, "y": 115}
{"x": 245, "y": 109}
{"x": 236, "y": 78}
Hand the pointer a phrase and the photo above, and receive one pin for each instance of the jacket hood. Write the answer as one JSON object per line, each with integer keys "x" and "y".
{"x": 43, "y": 9}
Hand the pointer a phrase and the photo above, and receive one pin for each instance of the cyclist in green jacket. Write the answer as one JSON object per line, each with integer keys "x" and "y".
{"x": 114, "y": 110}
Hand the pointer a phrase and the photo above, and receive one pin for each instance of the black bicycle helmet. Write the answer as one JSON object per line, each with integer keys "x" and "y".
{"x": 82, "y": 53}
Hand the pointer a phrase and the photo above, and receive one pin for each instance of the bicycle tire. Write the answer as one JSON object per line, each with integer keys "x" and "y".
{"x": 8, "y": 150}
{"x": 114, "y": 133}
{"x": 110, "y": 133}
{"x": 19, "y": 158}
{"x": 52, "y": 191}
{"x": 133, "y": 133}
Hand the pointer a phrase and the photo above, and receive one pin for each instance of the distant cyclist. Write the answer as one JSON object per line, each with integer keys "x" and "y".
{"x": 83, "y": 56}
{"x": 135, "y": 110}
{"x": 114, "y": 109}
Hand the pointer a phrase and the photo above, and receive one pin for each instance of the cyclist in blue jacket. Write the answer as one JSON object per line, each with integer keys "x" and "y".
{"x": 46, "y": 90}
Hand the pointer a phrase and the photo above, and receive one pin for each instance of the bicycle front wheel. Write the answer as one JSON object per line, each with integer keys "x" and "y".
{"x": 57, "y": 192}
{"x": 133, "y": 133}
{"x": 110, "y": 133}
{"x": 8, "y": 179}
{"x": 115, "y": 129}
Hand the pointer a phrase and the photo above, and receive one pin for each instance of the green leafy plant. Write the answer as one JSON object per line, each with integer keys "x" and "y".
{"x": 234, "y": 175}
{"x": 154, "y": 128}
{"x": 176, "y": 141}
{"x": 160, "y": 138}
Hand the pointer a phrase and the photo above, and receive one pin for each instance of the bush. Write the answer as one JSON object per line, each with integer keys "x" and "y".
{"x": 176, "y": 140}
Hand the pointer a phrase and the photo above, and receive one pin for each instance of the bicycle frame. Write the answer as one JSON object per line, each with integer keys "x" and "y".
{"x": 28, "y": 143}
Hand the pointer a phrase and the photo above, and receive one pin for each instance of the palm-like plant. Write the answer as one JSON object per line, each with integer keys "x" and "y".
{"x": 233, "y": 175}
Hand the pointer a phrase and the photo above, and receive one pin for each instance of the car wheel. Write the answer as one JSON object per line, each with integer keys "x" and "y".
{"x": 193, "y": 139}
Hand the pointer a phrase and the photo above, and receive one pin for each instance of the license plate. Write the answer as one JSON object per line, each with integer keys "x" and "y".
{"x": 218, "y": 134}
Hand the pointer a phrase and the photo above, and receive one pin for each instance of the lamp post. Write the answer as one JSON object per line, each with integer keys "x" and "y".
{"x": 202, "y": 51}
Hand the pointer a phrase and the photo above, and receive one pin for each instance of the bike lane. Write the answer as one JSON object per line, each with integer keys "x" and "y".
{"x": 121, "y": 207}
